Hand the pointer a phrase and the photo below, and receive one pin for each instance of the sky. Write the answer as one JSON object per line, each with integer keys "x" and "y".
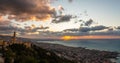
{"x": 103, "y": 11}
{"x": 65, "y": 19}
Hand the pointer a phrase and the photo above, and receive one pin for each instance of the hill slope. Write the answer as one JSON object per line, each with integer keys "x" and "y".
{"x": 18, "y": 53}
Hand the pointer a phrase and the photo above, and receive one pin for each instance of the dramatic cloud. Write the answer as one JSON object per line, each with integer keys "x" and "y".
{"x": 95, "y": 28}
{"x": 31, "y": 30}
{"x": 100, "y": 27}
{"x": 28, "y": 29}
{"x": 84, "y": 29}
{"x": 26, "y": 9}
{"x": 62, "y": 18}
{"x": 88, "y": 23}
{"x": 87, "y": 29}
{"x": 71, "y": 30}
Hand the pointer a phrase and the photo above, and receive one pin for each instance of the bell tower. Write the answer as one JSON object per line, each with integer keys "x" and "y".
{"x": 14, "y": 37}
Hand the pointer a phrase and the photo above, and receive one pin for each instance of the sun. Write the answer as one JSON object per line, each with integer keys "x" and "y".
{"x": 67, "y": 37}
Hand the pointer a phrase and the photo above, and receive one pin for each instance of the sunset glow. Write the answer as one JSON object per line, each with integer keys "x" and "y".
{"x": 33, "y": 18}
{"x": 67, "y": 37}
{"x": 89, "y": 37}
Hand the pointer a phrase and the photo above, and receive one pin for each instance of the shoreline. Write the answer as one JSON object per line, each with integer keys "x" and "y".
{"x": 91, "y": 48}
{"x": 89, "y": 44}
{"x": 79, "y": 54}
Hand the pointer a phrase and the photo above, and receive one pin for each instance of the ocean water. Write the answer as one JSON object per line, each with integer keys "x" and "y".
{"x": 107, "y": 45}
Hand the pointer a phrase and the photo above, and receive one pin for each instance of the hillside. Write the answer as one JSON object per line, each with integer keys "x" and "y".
{"x": 18, "y": 53}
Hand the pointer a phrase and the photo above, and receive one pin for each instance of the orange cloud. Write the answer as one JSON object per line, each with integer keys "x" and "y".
{"x": 0, "y": 17}
{"x": 23, "y": 10}
{"x": 33, "y": 25}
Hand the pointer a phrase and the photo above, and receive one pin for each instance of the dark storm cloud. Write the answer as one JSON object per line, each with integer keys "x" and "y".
{"x": 62, "y": 18}
{"x": 25, "y": 9}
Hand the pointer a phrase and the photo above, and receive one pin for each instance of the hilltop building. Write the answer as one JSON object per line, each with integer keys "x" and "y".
{"x": 13, "y": 40}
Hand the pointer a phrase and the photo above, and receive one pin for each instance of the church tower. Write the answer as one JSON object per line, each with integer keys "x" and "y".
{"x": 14, "y": 37}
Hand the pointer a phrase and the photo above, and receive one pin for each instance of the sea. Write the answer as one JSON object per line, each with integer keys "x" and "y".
{"x": 98, "y": 44}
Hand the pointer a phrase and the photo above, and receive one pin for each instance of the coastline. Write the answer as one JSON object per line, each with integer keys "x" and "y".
{"x": 79, "y": 54}
{"x": 103, "y": 45}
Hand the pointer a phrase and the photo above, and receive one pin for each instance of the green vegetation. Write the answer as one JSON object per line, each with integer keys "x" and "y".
{"x": 19, "y": 53}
